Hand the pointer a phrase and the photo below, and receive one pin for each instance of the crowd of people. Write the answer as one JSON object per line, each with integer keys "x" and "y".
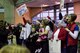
{"x": 36, "y": 36}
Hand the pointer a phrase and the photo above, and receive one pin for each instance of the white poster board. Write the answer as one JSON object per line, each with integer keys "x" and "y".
{"x": 22, "y": 9}
{"x": 54, "y": 46}
{"x": 61, "y": 4}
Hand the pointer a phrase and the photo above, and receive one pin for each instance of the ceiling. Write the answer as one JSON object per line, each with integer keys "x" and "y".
{"x": 38, "y": 3}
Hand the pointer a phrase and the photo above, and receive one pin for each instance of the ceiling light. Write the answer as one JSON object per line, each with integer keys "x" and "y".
{"x": 70, "y": 0}
{"x": 57, "y": 2}
{"x": 44, "y": 5}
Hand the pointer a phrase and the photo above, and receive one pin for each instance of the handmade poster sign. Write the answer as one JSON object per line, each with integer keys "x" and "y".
{"x": 55, "y": 44}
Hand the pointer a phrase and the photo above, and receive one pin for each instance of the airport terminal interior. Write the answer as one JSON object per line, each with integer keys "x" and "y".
{"x": 39, "y": 26}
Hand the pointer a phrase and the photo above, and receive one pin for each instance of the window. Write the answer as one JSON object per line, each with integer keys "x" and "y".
{"x": 51, "y": 11}
{"x": 44, "y": 14}
{"x": 51, "y": 14}
{"x": 63, "y": 11}
{"x": 71, "y": 10}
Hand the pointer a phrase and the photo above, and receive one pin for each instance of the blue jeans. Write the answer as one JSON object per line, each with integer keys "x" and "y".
{"x": 72, "y": 49}
{"x": 63, "y": 50}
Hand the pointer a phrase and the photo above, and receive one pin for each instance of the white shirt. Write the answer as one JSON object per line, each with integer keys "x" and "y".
{"x": 28, "y": 29}
{"x": 23, "y": 33}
